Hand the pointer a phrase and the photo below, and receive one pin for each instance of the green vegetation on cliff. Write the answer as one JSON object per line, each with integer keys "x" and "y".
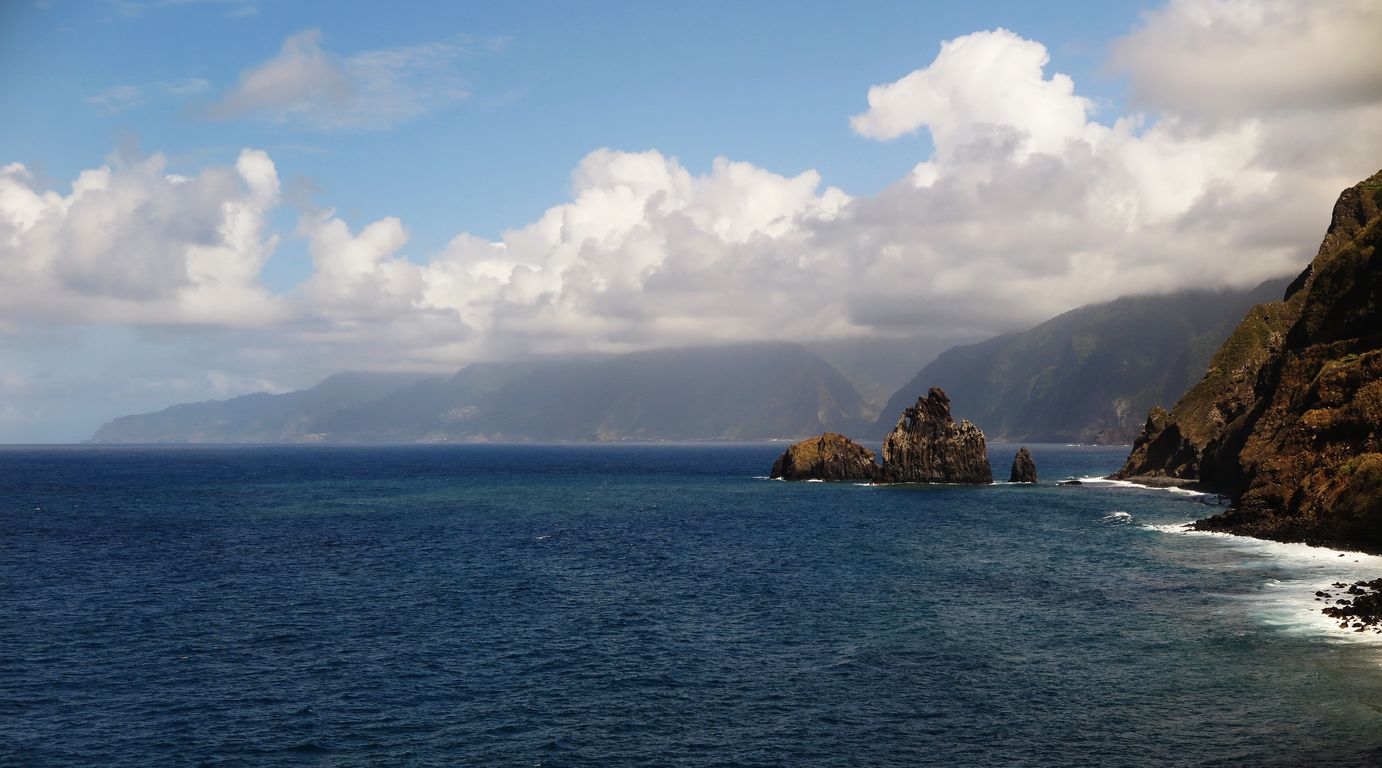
{"x": 1288, "y": 418}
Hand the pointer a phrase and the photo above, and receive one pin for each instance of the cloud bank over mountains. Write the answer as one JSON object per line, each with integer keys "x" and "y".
{"x": 1257, "y": 113}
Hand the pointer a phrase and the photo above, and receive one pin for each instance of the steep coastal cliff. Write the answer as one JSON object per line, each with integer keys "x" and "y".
{"x": 1288, "y": 420}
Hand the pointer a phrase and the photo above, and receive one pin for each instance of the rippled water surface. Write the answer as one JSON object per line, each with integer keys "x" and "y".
{"x": 637, "y": 605}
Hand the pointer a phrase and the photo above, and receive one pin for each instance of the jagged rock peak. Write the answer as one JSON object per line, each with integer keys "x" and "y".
{"x": 927, "y": 446}
{"x": 828, "y": 457}
{"x": 1024, "y": 469}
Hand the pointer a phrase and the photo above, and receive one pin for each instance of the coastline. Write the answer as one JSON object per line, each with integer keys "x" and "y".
{"x": 1298, "y": 602}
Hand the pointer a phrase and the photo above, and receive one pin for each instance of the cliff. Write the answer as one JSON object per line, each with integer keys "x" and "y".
{"x": 1287, "y": 421}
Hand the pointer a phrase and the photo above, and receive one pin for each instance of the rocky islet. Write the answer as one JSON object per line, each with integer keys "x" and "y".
{"x": 925, "y": 446}
{"x": 1024, "y": 469}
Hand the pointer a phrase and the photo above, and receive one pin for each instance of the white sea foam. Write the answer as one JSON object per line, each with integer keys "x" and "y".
{"x": 1287, "y": 599}
{"x": 1128, "y": 484}
{"x": 815, "y": 480}
{"x": 1117, "y": 517}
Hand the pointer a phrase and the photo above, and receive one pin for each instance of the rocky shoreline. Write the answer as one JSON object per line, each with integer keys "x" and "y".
{"x": 1287, "y": 421}
{"x": 1361, "y": 611}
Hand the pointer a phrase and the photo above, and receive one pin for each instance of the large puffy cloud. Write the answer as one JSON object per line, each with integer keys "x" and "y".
{"x": 987, "y": 81}
{"x": 135, "y": 244}
{"x": 1026, "y": 206}
{"x": 1247, "y": 58}
{"x": 645, "y": 254}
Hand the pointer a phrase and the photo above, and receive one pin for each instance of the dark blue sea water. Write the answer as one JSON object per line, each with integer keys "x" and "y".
{"x": 647, "y": 605}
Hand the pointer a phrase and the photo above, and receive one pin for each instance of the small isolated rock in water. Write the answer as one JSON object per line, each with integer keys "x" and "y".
{"x": 828, "y": 457}
{"x": 1024, "y": 469}
{"x": 927, "y": 446}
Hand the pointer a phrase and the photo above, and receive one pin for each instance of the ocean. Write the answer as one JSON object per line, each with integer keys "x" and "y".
{"x": 649, "y": 605}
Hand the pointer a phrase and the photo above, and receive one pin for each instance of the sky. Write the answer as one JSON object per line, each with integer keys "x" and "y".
{"x": 205, "y": 198}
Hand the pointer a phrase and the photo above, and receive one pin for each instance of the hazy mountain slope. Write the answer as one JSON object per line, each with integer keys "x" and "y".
{"x": 878, "y": 367}
{"x": 714, "y": 393}
{"x": 1089, "y": 375}
{"x": 257, "y": 418}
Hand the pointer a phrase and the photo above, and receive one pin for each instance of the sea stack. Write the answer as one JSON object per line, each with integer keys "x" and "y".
{"x": 927, "y": 446}
{"x": 828, "y": 457}
{"x": 1024, "y": 469}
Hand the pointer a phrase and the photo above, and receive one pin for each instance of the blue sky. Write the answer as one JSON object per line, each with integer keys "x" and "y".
{"x": 769, "y": 83}
{"x": 203, "y": 198}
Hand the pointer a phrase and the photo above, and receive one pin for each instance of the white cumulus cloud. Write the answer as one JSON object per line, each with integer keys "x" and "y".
{"x": 1248, "y": 58}
{"x": 131, "y": 243}
{"x": 1026, "y": 206}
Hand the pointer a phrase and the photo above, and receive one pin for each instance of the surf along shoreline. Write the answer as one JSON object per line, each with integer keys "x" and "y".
{"x": 1339, "y": 603}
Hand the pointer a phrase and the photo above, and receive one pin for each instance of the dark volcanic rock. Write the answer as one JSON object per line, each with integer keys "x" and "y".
{"x": 927, "y": 446}
{"x": 1361, "y": 613}
{"x": 828, "y": 457}
{"x": 1287, "y": 421}
{"x": 1024, "y": 469}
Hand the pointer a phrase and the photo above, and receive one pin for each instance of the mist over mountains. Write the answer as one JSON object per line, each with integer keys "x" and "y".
{"x": 747, "y": 392}
{"x": 1088, "y": 375}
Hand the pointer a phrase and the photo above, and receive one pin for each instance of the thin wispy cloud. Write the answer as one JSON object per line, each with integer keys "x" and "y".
{"x": 122, "y": 98}
{"x": 116, "y": 99}
{"x": 233, "y": 9}
{"x": 307, "y": 86}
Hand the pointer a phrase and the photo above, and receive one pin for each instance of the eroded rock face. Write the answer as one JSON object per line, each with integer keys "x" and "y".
{"x": 927, "y": 446}
{"x": 1288, "y": 420}
{"x": 828, "y": 457}
{"x": 1024, "y": 469}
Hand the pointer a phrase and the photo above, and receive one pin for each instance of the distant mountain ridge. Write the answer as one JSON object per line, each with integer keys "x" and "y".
{"x": 746, "y": 392}
{"x": 1089, "y": 375}
{"x": 255, "y": 418}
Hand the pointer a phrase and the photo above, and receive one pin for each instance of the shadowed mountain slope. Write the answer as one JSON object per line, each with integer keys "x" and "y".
{"x": 1088, "y": 375}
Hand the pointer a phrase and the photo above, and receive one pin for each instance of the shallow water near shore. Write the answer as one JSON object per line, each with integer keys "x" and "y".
{"x": 649, "y": 605}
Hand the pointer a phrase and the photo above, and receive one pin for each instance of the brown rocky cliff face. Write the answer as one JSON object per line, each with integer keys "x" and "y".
{"x": 927, "y": 446}
{"x": 1288, "y": 421}
{"x": 828, "y": 457}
